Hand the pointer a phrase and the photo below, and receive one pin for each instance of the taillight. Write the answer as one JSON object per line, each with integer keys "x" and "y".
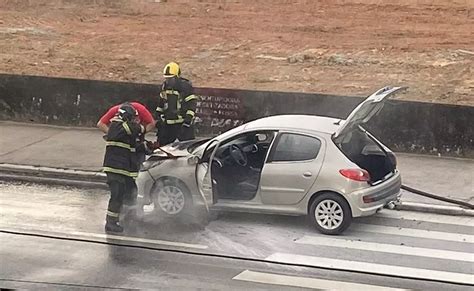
{"x": 356, "y": 174}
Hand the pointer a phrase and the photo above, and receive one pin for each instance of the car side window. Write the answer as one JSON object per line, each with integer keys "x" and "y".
{"x": 295, "y": 147}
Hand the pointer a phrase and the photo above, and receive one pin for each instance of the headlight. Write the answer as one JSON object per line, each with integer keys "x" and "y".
{"x": 146, "y": 165}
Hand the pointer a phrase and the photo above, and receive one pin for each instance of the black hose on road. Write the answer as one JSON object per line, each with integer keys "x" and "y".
{"x": 437, "y": 197}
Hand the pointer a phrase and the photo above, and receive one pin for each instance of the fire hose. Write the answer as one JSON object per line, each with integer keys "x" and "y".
{"x": 437, "y": 197}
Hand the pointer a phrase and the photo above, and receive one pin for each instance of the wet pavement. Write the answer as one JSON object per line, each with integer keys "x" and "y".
{"x": 53, "y": 236}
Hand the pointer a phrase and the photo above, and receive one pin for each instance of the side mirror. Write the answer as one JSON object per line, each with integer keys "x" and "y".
{"x": 194, "y": 160}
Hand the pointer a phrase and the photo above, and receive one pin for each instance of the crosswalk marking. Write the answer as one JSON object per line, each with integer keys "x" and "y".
{"x": 305, "y": 282}
{"x": 413, "y": 232}
{"x": 386, "y": 248}
{"x": 381, "y": 269}
{"x": 427, "y": 217}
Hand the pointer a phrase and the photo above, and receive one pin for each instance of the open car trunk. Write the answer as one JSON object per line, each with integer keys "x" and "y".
{"x": 358, "y": 145}
{"x": 366, "y": 152}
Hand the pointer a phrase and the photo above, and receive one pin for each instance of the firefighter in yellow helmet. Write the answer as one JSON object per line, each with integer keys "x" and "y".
{"x": 176, "y": 107}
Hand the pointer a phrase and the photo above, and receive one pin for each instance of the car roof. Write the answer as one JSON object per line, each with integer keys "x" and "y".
{"x": 295, "y": 121}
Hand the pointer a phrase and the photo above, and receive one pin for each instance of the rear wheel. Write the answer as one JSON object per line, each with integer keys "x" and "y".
{"x": 330, "y": 213}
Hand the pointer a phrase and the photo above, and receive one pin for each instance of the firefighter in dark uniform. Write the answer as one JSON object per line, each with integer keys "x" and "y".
{"x": 176, "y": 107}
{"x": 120, "y": 161}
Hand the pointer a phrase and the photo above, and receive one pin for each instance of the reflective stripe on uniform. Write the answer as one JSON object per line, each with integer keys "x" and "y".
{"x": 127, "y": 128}
{"x": 118, "y": 144}
{"x": 173, "y": 92}
{"x": 174, "y": 121}
{"x": 120, "y": 172}
{"x": 190, "y": 97}
{"x": 159, "y": 109}
{"x": 178, "y": 104}
{"x": 163, "y": 95}
{"x": 112, "y": 214}
{"x": 190, "y": 112}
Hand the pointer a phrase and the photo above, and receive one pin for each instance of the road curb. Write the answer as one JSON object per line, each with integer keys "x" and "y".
{"x": 434, "y": 208}
{"x": 83, "y": 175}
{"x": 54, "y": 181}
{"x": 53, "y": 176}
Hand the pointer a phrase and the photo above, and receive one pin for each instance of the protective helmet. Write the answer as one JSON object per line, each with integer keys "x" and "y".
{"x": 127, "y": 112}
{"x": 171, "y": 70}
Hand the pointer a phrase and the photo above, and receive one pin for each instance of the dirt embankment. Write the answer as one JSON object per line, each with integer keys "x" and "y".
{"x": 339, "y": 47}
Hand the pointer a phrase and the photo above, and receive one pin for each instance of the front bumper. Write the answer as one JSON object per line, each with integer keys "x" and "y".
{"x": 144, "y": 183}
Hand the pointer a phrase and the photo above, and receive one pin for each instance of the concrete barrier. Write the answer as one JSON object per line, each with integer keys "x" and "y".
{"x": 404, "y": 126}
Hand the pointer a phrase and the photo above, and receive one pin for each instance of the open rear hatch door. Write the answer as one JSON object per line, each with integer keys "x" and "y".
{"x": 366, "y": 110}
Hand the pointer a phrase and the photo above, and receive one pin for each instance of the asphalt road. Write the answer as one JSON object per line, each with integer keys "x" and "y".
{"x": 53, "y": 238}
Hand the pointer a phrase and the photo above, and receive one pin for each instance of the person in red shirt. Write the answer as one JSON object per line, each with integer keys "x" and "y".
{"x": 145, "y": 117}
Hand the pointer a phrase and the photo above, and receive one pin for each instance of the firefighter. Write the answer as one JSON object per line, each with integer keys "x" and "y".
{"x": 120, "y": 161}
{"x": 176, "y": 107}
{"x": 146, "y": 119}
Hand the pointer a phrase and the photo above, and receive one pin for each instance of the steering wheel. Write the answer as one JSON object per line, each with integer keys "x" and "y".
{"x": 238, "y": 155}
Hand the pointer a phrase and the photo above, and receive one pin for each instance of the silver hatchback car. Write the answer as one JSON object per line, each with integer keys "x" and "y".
{"x": 329, "y": 169}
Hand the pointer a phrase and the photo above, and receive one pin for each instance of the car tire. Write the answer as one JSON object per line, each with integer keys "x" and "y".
{"x": 172, "y": 199}
{"x": 330, "y": 213}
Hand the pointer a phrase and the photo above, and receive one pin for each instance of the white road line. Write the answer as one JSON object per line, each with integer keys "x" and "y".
{"x": 381, "y": 269}
{"x": 427, "y": 217}
{"x": 137, "y": 239}
{"x": 305, "y": 282}
{"x": 386, "y": 248}
{"x": 86, "y": 235}
{"x": 413, "y": 232}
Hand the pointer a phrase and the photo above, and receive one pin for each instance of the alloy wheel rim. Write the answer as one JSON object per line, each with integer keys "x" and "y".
{"x": 329, "y": 214}
{"x": 171, "y": 199}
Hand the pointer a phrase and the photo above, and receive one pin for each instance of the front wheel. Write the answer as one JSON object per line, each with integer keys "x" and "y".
{"x": 172, "y": 198}
{"x": 330, "y": 213}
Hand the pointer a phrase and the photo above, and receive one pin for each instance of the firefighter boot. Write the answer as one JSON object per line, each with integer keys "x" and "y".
{"x": 113, "y": 225}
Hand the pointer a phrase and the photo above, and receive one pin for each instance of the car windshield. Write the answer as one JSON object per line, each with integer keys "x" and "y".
{"x": 197, "y": 146}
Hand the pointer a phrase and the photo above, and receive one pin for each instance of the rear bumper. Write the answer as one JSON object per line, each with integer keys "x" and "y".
{"x": 370, "y": 200}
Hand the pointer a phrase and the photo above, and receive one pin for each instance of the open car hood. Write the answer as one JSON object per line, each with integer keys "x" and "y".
{"x": 177, "y": 149}
{"x": 367, "y": 109}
